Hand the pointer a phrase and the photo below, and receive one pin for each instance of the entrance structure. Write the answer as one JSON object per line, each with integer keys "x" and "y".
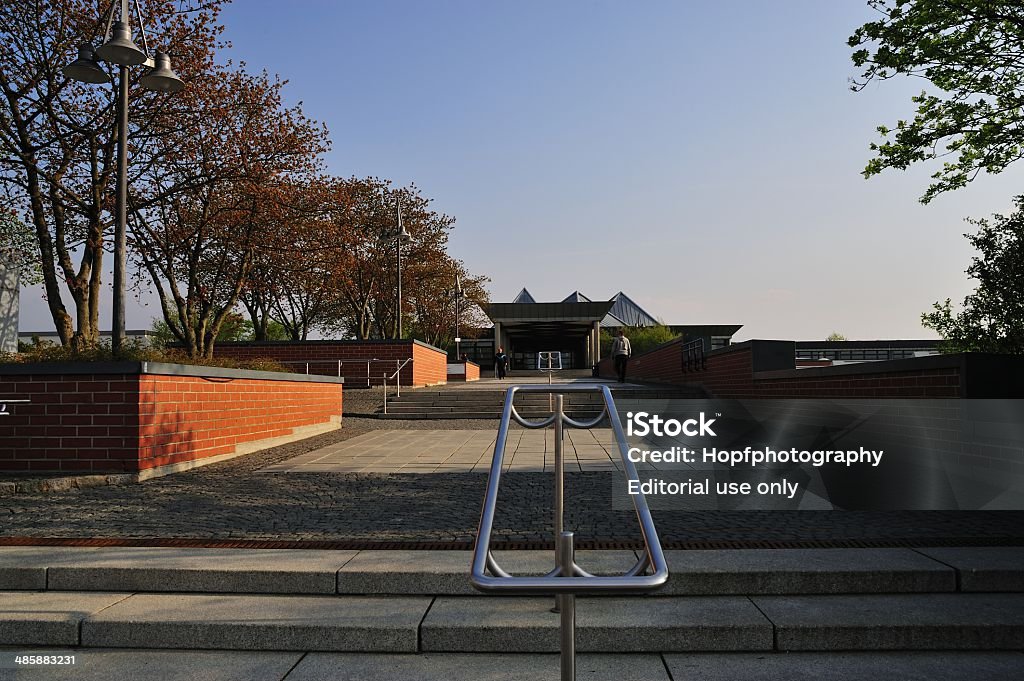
{"x": 572, "y": 326}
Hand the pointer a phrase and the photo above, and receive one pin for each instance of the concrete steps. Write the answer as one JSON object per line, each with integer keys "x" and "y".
{"x": 445, "y": 573}
{"x": 188, "y": 665}
{"x": 478, "y": 624}
{"x": 419, "y": 602}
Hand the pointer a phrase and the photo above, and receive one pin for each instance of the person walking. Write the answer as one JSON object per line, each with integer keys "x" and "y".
{"x": 501, "y": 363}
{"x": 621, "y": 352}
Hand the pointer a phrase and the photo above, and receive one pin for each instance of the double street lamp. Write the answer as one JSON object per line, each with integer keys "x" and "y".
{"x": 118, "y": 48}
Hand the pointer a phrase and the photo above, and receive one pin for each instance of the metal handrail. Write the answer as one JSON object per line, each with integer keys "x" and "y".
{"x": 694, "y": 357}
{"x": 567, "y": 579}
{"x": 398, "y": 383}
{"x": 341, "y": 363}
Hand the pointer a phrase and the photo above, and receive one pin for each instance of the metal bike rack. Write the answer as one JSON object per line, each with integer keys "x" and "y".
{"x": 567, "y": 579}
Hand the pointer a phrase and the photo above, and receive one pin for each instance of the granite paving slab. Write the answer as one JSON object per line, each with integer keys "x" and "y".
{"x": 896, "y": 621}
{"x": 474, "y": 667}
{"x": 200, "y": 570}
{"x": 447, "y": 572}
{"x": 158, "y": 665}
{"x": 480, "y": 624}
{"x": 48, "y": 618}
{"x": 24, "y": 567}
{"x": 873, "y": 666}
{"x": 232, "y": 622}
{"x": 984, "y": 568}
{"x": 805, "y": 571}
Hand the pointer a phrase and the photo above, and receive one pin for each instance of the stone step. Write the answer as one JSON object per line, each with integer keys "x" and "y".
{"x": 299, "y": 571}
{"x": 613, "y": 624}
{"x": 961, "y": 621}
{"x": 102, "y": 664}
{"x": 732, "y": 623}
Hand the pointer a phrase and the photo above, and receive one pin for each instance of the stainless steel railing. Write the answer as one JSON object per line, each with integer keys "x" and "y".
{"x": 340, "y": 367}
{"x": 567, "y": 579}
{"x": 693, "y": 356}
{"x": 398, "y": 381}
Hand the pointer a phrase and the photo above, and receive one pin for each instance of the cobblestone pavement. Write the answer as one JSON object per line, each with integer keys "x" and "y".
{"x": 231, "y": 500}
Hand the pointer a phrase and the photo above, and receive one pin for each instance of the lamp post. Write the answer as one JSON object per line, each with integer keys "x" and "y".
{"x": 401, "y": 237}
{"x": 459, "y": 295}
{"x": 119, "y": 48}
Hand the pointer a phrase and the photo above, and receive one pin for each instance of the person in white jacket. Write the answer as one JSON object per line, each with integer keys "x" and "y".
{"x": 621, "y": 352}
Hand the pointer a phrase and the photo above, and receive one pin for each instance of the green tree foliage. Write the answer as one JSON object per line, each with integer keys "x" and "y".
{"x": 234, "y": 328}
{"x": 641, "y": 338}
{"x": 992, "y": 319}
{"x": 17, "y": 249}
{"x": 835, "y": 336}
{"x": 972, "y": 54}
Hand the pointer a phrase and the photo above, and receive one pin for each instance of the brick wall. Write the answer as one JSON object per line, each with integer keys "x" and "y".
{"x": 322, "y": 357}
{"x": 129, "y": 420}
{"x": 757, "y": 368}
{"x": 430, "y": 365}
{"x": 74, "y": 423}
{"x": 463, "y": 371}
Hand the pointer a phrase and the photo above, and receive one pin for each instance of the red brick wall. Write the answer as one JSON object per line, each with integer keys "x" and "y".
{"x": 730, "y": 373}
{"x": 183, "y": 418}
{"x": 126, "y": 423}
{"x": 430, "y": 365}
{"x": 74, "y": 423}
{"x": 470, "y": 372}
{"x": 427, "y": 367}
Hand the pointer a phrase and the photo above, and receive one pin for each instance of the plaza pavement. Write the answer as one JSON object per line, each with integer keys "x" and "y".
{"x": 457, "y": 451}
{"x": 246, "y": 499}
{"x": 365, "y": 614}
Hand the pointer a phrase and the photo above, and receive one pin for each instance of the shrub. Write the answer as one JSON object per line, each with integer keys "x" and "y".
{"x": 132, "y": 351}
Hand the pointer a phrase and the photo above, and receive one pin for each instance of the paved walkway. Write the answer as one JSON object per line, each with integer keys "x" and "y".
{"x": 234, "y": 500}
{"x": 456, "y": 451}
{"x": 242, "y": 499}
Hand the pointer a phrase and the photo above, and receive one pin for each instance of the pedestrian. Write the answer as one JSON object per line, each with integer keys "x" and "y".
{"x": 501, "y": 363}
{"x": 621, "y": 352}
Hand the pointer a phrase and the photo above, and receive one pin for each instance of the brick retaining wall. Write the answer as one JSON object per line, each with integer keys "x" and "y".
{"x": 764, "y": 369}
{"x": 428, "y": 366}
{"x": 131, "y": 417}
{"x": 463, "y": 372}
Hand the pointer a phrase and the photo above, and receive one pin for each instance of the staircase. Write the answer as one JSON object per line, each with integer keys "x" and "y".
{"x": 461, "y": 402}
{"x": 942, "y": 613}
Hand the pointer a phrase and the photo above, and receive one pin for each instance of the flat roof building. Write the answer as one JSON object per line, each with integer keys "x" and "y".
{"x": 572, "y": 327}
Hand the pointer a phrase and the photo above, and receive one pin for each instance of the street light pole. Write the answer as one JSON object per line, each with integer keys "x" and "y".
{"x": 119, "y": 48}
{"x": 120, "y": 229}
{"x": 458, "y": 311}
{"x": 401, "y": 237}
{"x": 398, "y": 250}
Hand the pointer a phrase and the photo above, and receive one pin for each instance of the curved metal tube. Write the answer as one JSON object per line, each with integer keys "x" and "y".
{"x": 492, "y": 565}
{"x": 577, "y": 571}
{"x": 581, "y": 581}
{"x": 586, "y": 424}
{"x": 533, "y": 424}
{"x": 640, "y": 566}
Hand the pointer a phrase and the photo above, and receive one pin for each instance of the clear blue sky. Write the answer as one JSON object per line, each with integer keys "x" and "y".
{"x": 702, "y": 157}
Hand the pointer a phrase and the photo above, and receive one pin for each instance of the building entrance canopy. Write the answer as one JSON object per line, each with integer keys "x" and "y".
{"x": 524, "y": 329}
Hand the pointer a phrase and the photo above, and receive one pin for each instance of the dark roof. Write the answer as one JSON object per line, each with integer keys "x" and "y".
{"x": 523, "y": 312}
{"x": 576, "y": 297}
{"x": 628, "y": 312}
{"x": 524, "y": 297}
